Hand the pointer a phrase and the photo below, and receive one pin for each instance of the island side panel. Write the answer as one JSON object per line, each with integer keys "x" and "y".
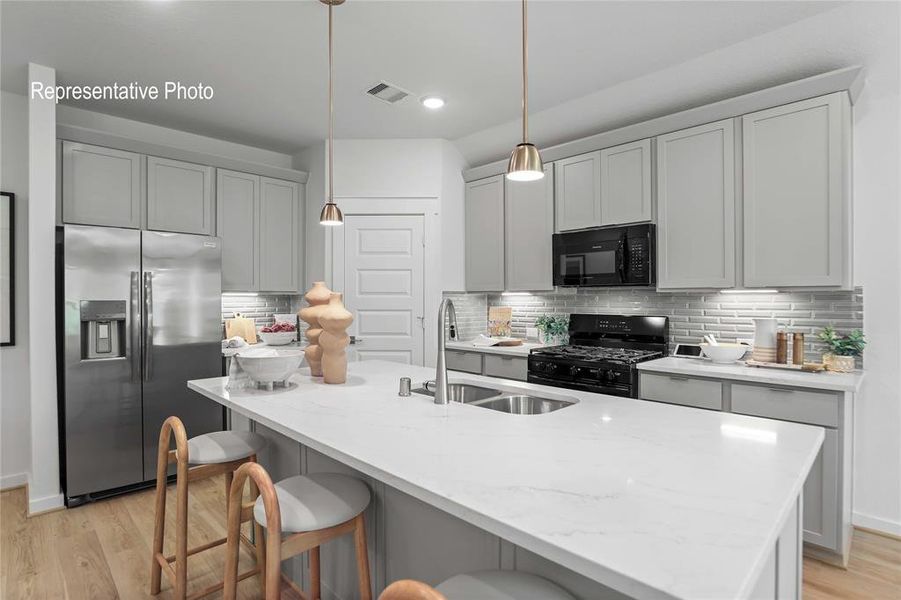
{"x": 781, "y": 578}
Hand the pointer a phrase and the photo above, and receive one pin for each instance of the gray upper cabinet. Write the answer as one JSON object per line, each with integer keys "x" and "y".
{"x": 280, "y": 235}
{"x": 529, "y": 214}
{"x": 796, "y": 173}
{"x": 696, "y": 207}
{"x": 179, "y": 196}
{"x": 485, "y": 235}
{"x": 238, "y": 225}
{"x": 626, "y": 183}
{"x": 101, "y": 186}
{"x": 578, "y": 191}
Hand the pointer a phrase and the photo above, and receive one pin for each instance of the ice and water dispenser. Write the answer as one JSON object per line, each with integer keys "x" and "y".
{"x": 102, "y": 329}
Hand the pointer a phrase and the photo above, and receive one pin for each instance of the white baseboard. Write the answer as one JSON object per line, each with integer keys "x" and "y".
{"x": 13, "y": 481}
{"x": 877, "y": 523}
{"x": 45, "y": 504}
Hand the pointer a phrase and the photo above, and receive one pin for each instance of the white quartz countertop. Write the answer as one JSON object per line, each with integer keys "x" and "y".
{"x": 653, "y": 500}
{"x": 825, "y": 380}
{"x": 521, "y": 350}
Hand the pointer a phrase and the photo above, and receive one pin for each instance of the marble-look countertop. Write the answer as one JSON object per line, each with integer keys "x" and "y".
{"x": 521, "y": 350}
{"x": 653, "y": 500}
{"x": 700, "y": 367}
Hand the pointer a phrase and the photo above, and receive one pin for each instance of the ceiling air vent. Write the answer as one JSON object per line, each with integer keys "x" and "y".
{"x": 387, "y": 92}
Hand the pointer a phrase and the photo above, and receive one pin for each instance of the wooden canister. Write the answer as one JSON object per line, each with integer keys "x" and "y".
{"x": 781, "y": 347}
{"x": 798, "y": 348}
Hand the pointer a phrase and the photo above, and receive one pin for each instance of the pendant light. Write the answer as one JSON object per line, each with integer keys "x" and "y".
{"x": 525, "y": 161}
{"x": 331, "y": 215}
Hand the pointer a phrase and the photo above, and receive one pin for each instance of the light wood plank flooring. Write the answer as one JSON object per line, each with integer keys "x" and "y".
{"x": 102, "y": 550}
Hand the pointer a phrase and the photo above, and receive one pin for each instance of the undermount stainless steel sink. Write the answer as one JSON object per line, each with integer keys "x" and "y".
{"x": 523, "y": 405}
{"x": 463, "y": 392}
{"x": 493, "y": 399}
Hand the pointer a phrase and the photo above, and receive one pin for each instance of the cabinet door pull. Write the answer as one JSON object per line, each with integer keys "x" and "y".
{"x": 674, "y": 378}
{"x": 781, "y": 390}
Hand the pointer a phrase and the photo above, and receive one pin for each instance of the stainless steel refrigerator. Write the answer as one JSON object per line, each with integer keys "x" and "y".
{"x": 140, "y": 316}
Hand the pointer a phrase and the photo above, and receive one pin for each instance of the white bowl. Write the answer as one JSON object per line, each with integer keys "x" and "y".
{"x": 270, "y": 365}
{"x": 277, "y": 338}
{"x": 724, "y": 353}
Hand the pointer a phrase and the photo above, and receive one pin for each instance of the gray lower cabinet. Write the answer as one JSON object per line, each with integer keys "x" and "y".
{"x": 797, "y": 194}
{"x": 280, "y": 235}
{"x": 179, "y": 196}
{"x": 577, "y": 196}
{"x": 484, "y": 205}
{"x": 626, "y": 183}
{"x": 101, "y": 186}
{"x": 827, "y": 498}
{"x": 491, "y": 365}
{"x": 528, "y": 230}
{"x": 696, "y": 207}
{"x": 238, "y": 226}
{"x": 468, "y": 362}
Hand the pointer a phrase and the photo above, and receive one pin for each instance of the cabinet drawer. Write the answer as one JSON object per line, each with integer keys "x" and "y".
{"x": 470, "y": 362}
{"x": 675, "y": 389}
{"x": 816, "y": 408}
{"x": 508, "y": 367}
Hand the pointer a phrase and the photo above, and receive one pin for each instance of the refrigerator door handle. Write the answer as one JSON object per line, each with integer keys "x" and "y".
{"x": 133, "y": 343}
{"x": 148, "y": 325}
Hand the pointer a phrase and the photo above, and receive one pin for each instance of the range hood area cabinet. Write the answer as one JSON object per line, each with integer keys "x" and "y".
{"x": 783, "y": 184}
{"x": 260, "y": 223}
{"x": 509, "y": 229}
{"x": 605, "y": 187}
{"x": 259, "y": 219}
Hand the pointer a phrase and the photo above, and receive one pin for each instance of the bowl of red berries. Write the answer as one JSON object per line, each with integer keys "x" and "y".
{"x": 279, "y": 334}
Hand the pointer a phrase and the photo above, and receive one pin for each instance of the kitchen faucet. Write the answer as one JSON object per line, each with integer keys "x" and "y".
{"x": 445, "y": 311}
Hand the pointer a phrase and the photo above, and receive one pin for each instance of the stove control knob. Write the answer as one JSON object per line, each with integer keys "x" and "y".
{"x": 610, "y": 375}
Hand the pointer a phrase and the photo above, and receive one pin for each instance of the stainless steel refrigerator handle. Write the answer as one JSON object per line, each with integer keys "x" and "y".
{"x": 133, "y": 348}
{"x": 148, "y": 325}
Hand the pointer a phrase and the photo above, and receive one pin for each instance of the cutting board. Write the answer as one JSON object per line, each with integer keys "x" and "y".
{"x": 242, "y": 326}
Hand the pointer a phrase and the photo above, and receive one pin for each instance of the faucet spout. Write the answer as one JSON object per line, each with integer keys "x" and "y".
{"x": 446, "y": 313}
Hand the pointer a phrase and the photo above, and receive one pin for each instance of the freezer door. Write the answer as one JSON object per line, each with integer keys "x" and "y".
{"x": 101, "y": 403}
{"x": 181, "y": 286}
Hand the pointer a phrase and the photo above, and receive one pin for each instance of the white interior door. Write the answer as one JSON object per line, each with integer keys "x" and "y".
{"x": 383, "y": 286}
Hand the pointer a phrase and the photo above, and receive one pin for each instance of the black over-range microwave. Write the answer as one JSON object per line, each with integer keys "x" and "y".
{"x": 621, "y": 255}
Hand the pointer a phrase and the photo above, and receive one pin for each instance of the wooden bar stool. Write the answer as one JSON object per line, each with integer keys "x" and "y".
{"x": 200, "y": 457}
{"x": 311, "y": 509}
{"x": 484, "y": 585}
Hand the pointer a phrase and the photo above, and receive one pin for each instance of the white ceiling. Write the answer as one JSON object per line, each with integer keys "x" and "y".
{"x": 267, "y": 60}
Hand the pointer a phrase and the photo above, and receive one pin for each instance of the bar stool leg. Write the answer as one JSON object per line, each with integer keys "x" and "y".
{"x": 159, "y": 524}
{"x": 362, "y": 558}
{"x": 181, "y": 531}
{"x": 315, "y": 591}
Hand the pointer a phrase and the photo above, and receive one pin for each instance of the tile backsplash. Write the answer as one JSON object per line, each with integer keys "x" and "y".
{"x": 260, "y": 308}
{"x": 691, "y": 314}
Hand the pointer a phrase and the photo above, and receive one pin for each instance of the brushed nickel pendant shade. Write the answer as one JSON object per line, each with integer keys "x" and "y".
{"x": 525, "y": 161}
{"x": 331, "y": 215}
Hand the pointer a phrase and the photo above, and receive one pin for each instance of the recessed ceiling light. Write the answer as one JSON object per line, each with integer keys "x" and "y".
{"x": 433, "y": 102}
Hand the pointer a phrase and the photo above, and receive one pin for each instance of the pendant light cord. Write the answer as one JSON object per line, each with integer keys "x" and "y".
{"x": 525, "y": 74}
{"x": 331, "y": 136}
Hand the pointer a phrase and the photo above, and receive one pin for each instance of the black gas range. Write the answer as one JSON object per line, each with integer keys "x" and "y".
{"x": 602, "y": 353}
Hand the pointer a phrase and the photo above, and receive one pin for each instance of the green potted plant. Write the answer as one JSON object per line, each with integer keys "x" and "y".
{"x": 552, "y": 329}
{"x": 842, "y": 348}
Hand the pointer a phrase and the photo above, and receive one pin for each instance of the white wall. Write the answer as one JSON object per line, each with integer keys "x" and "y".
{"x": 15, "y": 429}
{"x": 43, "y": 480}
{"x": 855, "y": 33}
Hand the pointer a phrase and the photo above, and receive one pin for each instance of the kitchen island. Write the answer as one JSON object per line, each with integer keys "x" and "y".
{"x": 637, "y": 499}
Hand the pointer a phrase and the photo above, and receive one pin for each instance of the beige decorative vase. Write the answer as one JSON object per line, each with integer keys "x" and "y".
{"x": 317, "y": 297}
{"x": 334, "y": 320}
